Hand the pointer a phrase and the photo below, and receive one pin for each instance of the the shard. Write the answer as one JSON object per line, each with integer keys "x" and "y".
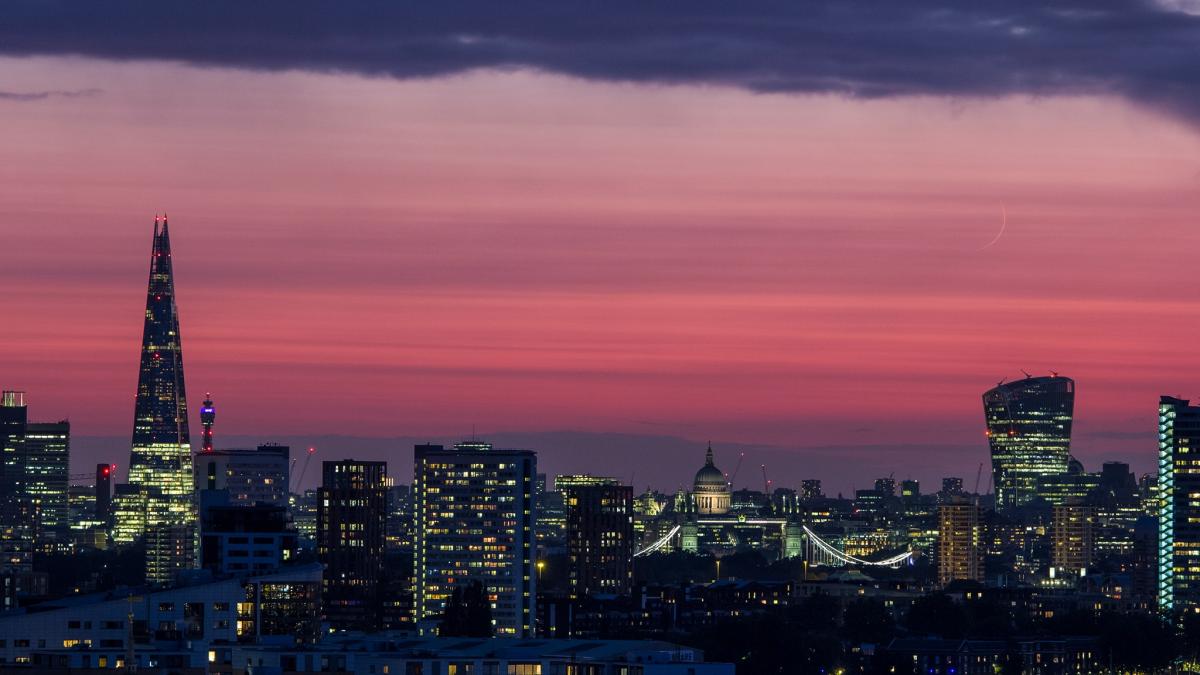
{"x": 159, "y": 486}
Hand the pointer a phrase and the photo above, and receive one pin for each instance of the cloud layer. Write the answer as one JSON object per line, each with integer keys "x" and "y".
{"x": 1133, "y": 48}
{"x": 43, "y": 95}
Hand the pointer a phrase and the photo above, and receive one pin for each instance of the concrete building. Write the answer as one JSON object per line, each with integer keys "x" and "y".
{"x": 475, "y": 511}
{"x": 599, "y": 538}
{"x": 351, "y": 530}
{"x": 960, "y": 539}
{"x": 251, "y": 476}
{"x": 1073, "y": 538}
{"x": 189, "y": 627}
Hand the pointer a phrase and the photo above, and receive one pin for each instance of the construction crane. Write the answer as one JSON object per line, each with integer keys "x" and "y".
{"x": 303, "y": 470}
{"x": 766, "y": 481}
{"x": 978, "y": 476}
{"x": 732, "y": 478}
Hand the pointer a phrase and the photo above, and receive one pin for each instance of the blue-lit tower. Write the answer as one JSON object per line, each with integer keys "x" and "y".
{"x": 208, "y": 415}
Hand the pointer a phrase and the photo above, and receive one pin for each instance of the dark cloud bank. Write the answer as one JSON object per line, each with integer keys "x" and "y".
{"x": 860, "y": 48}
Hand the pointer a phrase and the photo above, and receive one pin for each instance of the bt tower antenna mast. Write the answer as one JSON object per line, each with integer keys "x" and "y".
{"x": 208, "y": 415}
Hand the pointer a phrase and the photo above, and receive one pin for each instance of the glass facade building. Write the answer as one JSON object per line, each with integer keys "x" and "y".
{"x": 160, "y": 461}
{"x": 475, "y": 512}
{"x": 1179, "y": 505}
{"x": 1029, "y": 434}
{"x": 47, "y": 477}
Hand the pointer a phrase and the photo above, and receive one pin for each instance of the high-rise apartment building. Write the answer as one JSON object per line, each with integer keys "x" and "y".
{"x": 1178, "y": 508}
{"x": 1073, "y": 538}
{"x": 1029, "y": 434}
{"x": 599, "y": 537}
{"x": 960, "y": 542}
{"x": 474, "y": 510}
{"x": 158, "y": 489}
{"x": 351, "y": 529}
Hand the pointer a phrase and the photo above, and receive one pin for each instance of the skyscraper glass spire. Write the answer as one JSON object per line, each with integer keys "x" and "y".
{"x": 159, "y": 490}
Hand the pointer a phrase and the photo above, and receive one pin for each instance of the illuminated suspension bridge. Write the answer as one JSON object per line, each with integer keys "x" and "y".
{"x": 821, "y": 552}
{"x": 817, "y": 552}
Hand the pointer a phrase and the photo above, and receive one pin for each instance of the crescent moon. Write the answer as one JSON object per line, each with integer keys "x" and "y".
{"x": 1003, "y": 226}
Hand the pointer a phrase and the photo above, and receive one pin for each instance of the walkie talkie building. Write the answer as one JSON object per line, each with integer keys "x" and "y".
{"x": 1029, "y": 433}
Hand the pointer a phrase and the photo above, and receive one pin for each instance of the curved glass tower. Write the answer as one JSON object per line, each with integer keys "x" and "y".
{"x": 1029, "y": 433}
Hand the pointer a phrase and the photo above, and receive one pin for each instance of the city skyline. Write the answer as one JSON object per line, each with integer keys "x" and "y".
{"x": 623, "y": 338}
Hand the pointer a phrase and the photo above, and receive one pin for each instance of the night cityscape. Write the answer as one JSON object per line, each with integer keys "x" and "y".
{"x": 630, "y": 339}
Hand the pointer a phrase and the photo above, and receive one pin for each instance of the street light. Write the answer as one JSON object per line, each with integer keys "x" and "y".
{"x": 541, "y": 565}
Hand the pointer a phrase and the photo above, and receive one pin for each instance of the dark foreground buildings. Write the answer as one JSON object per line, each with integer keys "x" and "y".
{"x": 351, "y": 530}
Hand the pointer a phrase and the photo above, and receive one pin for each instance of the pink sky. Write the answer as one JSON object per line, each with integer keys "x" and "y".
{"x": 525, "y": 252}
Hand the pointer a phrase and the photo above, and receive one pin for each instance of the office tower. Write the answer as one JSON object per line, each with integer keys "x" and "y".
{"x": 86, "y": 531}
{"x": 244, "y": 540}
{"x": 1118, "y": 510}
{"x": 910, "y": 491}
{"x": 1065, "y": 488}
{"x": 399, "y": 518}
{"x": 474, "y": 508}
{"x": 1073, "y": 538}
{"x": 551, "y": 526}
{"x": 886, "y": 487}
{"x": 251, "y": 476}
{"x": 351, "y": 527}
{"x": 599, "y": 537}
{"x": 159, "y": 481}
{"x": 1029, "y": 434}
{"x": 868, "y": 503}
{"x": 960, "y": 539}
{"x": 47, "y": 476}
{"x": 103, "y": 493}
{"x": 1179, "y": 510}
{"x": 810, "y": 488}
{"x": 16, "y": 537}
{"x": 208, "y": 415}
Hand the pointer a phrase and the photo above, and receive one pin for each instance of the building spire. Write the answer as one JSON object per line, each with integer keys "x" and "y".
{"x": 708, "y": 456}
{"x": 161, "y": 458}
